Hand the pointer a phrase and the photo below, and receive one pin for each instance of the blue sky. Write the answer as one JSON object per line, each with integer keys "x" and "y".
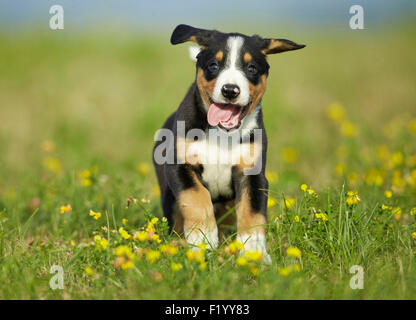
{"x": 162, "y": 15}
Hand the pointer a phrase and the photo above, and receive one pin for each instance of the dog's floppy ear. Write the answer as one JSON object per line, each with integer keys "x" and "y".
{"x": 183, "y": 33}
{"x": 270, "y": 46}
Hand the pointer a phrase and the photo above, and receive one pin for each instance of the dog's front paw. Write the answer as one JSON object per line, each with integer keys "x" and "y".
{"x": 255, "y": 242}
{"x": 196, "y": 237}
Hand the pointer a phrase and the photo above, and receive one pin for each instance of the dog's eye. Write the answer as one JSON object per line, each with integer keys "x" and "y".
{"x": 213, "y": 67}
{"x": 252, "y": 69}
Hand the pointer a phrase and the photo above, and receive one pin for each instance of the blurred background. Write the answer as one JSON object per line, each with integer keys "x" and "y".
{"x": 93, "y": 95}
{"x": 79, "y": 108}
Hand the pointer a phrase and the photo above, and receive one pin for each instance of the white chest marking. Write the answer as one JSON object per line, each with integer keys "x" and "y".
{"x": 218, "y": 157}
{"x": 218, "y": 179}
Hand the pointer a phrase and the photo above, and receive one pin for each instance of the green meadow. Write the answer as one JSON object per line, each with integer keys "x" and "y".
{"x": 78, "y": 114}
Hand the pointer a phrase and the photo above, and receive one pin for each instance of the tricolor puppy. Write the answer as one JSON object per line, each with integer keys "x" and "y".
{"x": 224, "y": 100}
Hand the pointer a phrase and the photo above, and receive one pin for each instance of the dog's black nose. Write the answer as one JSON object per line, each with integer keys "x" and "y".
{"x": 230, "y": 91}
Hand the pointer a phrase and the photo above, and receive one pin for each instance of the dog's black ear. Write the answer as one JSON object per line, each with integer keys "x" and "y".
{"x": 183, "y": 33}
{"x": 270, "y": 46}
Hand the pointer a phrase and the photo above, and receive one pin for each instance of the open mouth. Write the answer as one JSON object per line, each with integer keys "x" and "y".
{"x": 226, "y": 115}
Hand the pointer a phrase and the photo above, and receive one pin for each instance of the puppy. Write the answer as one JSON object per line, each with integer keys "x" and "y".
{"x": 202, "y": 176}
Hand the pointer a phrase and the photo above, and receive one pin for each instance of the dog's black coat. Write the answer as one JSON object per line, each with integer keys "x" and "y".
{"x": 176, "y": 178}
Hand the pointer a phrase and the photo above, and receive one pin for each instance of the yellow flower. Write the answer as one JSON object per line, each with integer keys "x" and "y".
{"x": 190, "y": 255}
{"x": 124, "y": 234}
{"x": 168, "y": 249}
{"x": 375, "y": 177}
{"x": 89, "y": 271}
{"x": 335, "y": 112}
{"x": 85, "y": 177}
{"x": 52, "y": 164}
{"x": 293, "y": 252}
{"x": 254, "y": 271}
{"x": 86, "y": 182}
{"x": 289, "y": 155}
{"x": 413, "y": 211}
{"x": 100, "y": 243}
{"x": 384, "y": 207}
{"x": 124, "y": 258}
{"x": 383, "y": 152}
{"x": 253, "y": 255}
{"x": 150, "y": 227}
{"x": 322, "y": 216}
{"x": 340, "y": 169}
{"x": 235, "y": 246}
{"x": 156, "y": 191}
{"x": 175, "y": 266}
{"x": 152, "y": 255}
{"x": 202, "y": 246}
{"x": 95, "y": 215}
{"x": 154, "y": 220}
{"x": 241, "y": 261}
{"x": 397, "y": 211}
{"x": 411, "y": 178}
{"x": 203, "y": 265}
{"x": 397, "y": 181}
{"x": 352, "y": 178}
{"x": 296, "y": 267}
{"x": 412, "y": 127}
{"x": 304, "y": 187}
{"x": 352, "y": 198}
{"x": 124, "y": 221}
{"x": 388, "y": 194}
{"x": 84, "y": 174}
{"x": 127, "y": 265}
{"x": 411, "y": 161}
{"x": 271, "y": 176}
{"x": 271, "y": 202}
{"x": 199, "y": 256}
{"x": 348, "y": 129}
{"x": 141, "y": 236}
{"x": 414, "y": 235}
{"x": 290, "y": 202}
{"x": 145, "y": 200}
{"x": 65, "y": 209}
{"x": 124, "y": 251}
{"x": 297, "y": 219}
{"x": 284, "y": 271}
{"x": 397, "y": 159}
{"x": 143, "y": 168}
{"x": 155, "y": 237}
{"x": 104, "y": 244}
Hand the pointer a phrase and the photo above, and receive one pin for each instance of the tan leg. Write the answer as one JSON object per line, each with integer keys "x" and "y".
{"x": 198, "y": 216}
{"x": 251, "y": 227}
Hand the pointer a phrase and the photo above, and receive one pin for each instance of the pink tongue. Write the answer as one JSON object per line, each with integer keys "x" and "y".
{"x": 227, "y": 115}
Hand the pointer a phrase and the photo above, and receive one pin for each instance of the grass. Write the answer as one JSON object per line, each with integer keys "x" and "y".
{"x": 78, "y": 118}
